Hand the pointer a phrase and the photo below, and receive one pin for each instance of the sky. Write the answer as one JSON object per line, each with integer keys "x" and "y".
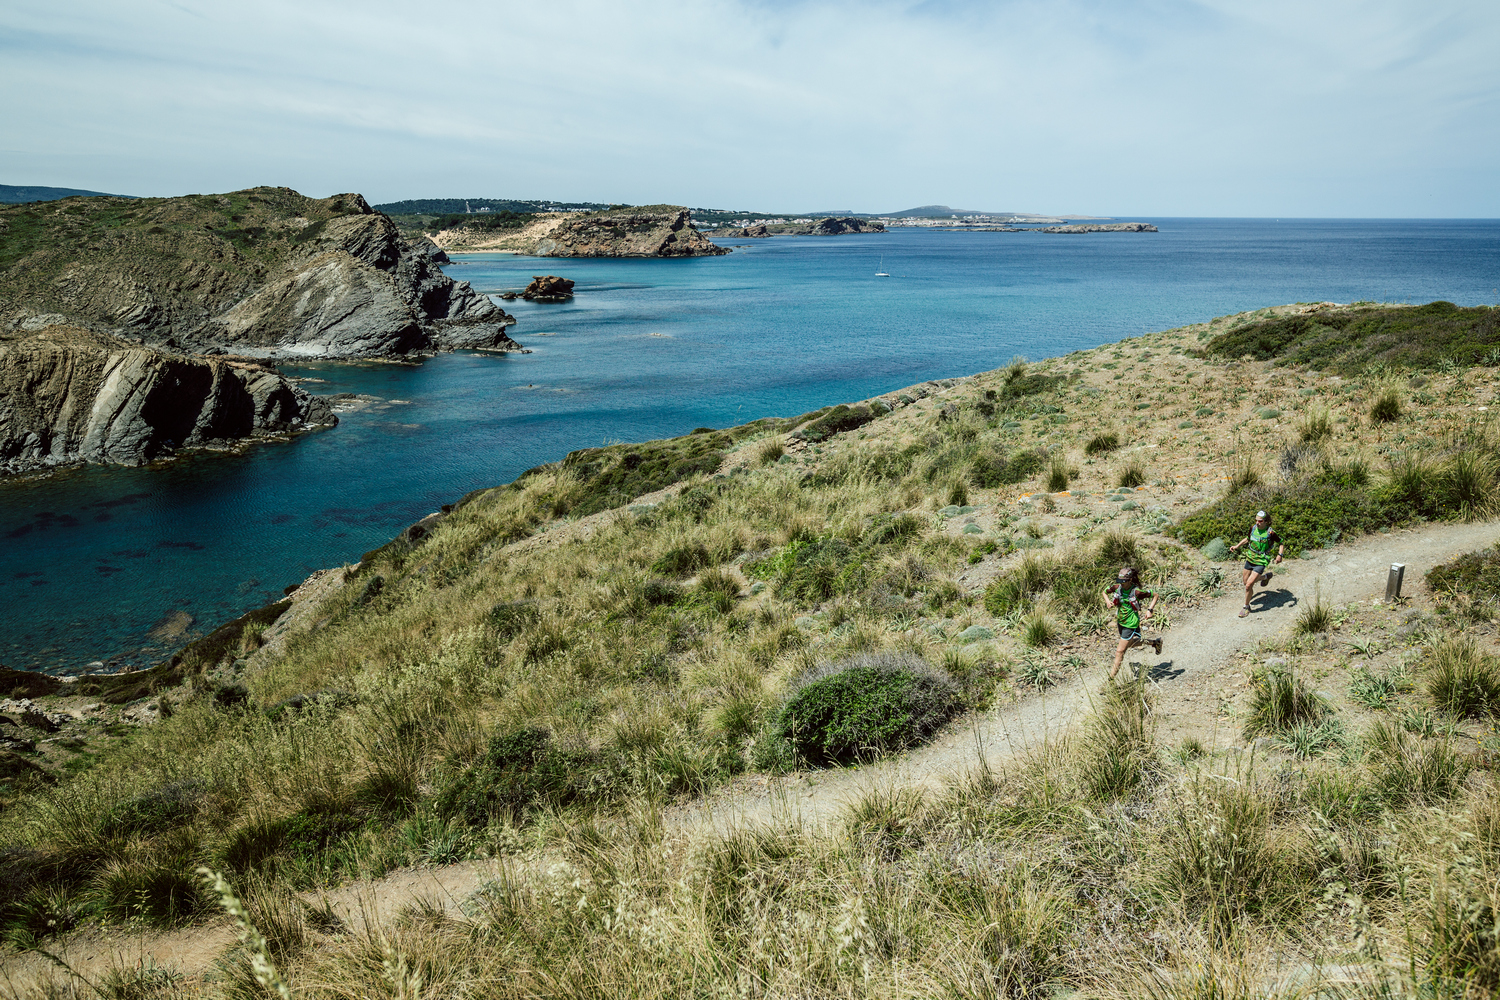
{"x": 1123, "y": 108}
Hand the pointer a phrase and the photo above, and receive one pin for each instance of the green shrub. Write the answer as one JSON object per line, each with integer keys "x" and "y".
{"x": 839, "y": 419}
{"x": 1387, "y": 408}
{"x": 1461, "y": 679}
{"x": 1349, "y": 341}
{"x": 615, "y": 475}
{"x": 1076, "y": 580}
{"x": 1475, "y": 573}
{"x": 990, "y": 471}
{"x": 872, "y": 703}
{"x": 656, "y": 593}
{"x": 684, "y": 560}
{"x": 1308, "y": 513}
{"x": 1101, "y": 444}
{"x": 1280, "y": 700}
{"x": 522, "y": 770}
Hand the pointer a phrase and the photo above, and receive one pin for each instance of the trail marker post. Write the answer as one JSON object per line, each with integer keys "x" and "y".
{"x": 1393, "y": 582}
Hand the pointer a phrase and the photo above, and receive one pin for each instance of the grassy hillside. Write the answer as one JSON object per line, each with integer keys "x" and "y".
{"x": 538, "y": 675}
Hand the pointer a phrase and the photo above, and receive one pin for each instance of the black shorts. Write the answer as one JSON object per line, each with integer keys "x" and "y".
{"x": 1257, "y": 570}
{"x": 1129, "y": 633}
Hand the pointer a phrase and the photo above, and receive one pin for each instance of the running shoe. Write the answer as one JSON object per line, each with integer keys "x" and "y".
{"x": 1245, "y": 611}
{"x": 1156, "y": 645}
{"x": 1265, "y": 578}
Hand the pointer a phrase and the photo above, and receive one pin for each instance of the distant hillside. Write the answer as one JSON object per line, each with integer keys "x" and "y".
{"x": 938, "y": 211}
{"x": 13, "y": 194}
{"x": 459, "y": 206}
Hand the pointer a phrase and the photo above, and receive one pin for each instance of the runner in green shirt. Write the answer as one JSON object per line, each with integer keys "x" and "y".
{"x": 1125, "y": 595}
{"x": 1258, "y": 555}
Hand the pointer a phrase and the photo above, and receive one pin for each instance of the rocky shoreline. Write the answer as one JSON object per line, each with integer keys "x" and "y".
{"x": 70, "y": 396}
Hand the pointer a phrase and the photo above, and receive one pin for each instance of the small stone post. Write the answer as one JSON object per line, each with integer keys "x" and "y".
{"x": 1393, "y": 582}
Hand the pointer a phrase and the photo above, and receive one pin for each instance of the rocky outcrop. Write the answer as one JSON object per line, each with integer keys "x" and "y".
{"x": 654, "y": 231}
{"x": 261, "y": 272}
{"x": 757, "y": 232}
{"x": 548, "y": 288}
{"x": 1110, "y": 227}
{"x": 72, "y": 395}
{"x": 838, "y": 227}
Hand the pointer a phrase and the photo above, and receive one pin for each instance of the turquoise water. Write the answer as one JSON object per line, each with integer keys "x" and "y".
{"x": 94, "y": 558}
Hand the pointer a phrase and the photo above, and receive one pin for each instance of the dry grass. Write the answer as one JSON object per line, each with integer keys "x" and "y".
{"x": 538, "y": 691}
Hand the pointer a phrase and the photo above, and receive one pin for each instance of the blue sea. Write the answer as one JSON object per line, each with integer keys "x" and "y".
{"x": 94, "y": 558}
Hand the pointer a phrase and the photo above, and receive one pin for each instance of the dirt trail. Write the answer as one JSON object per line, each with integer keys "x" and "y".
{"x": 1198, "y": 664}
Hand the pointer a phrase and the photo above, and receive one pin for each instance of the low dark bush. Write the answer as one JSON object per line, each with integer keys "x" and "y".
{"x": 660, "y": 592}
{"x": 1347, "y": 341}
{"x": 990, "y": 471}
{"x": 1475, "y": 573}
{"x": 305, "y": 834}
{"x": 684, "y": 560}
{"x": 873, "y": 703}
{"x": 1077, "y": 580}
{"x": 522, "y": 770}
{"x": 1307, "y": 514}
{"x": 838, "y": 420}
{"x": 510, "y": 618}
{"x": 614, "y": 476}
{"x": 159, "y": 809}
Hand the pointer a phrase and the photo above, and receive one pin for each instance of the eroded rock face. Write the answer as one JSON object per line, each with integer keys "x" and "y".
{"x": 756, "y": 232}
{"x": 70, "y": 395}
{"x": 633, "y": 233}
{"x": 257, "y": 272}
{"x": 548, "y": 288}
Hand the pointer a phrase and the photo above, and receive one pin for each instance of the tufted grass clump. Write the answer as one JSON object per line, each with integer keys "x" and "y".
{"x": 1316, "y": 426}
{"x": 1316, "y": 617}
{"x": 1118, "y": 753}
{"x": 1101, "y": 444}
{"x": 1280, "y": 700}
{"x": 1461, "y": 679}
{"x": 1058, "y": 475}
{"x": 870, "y": 704}
{"x": 769, "y": 453}
{"x": 1132, "y": 473}
{"x": 1387, "y": 407}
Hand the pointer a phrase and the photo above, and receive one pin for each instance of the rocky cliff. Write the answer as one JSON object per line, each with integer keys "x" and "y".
{"x": 652, "y": 231}
{"x": 70, "y": 395}
{"x": 259, "y": 272}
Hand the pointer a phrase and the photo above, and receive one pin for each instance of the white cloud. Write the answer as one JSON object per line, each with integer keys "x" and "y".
{"x": 1152, "y": 106}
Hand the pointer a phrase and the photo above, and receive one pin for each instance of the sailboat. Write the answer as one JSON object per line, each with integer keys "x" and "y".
{"x": 881, "y": 273}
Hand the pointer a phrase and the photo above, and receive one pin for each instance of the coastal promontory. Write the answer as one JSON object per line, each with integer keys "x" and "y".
{"x": 261, "y": 272}
{"x": 641, "y": 231}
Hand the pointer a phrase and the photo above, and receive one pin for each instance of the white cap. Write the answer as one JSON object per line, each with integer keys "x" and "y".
{"x": 1260, "y": 513}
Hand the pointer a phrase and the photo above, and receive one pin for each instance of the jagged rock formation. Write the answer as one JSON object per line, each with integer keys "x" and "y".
{"x": 652, "y": 231}
{"x": 548, "y": 288}
{"x": 258, "y": 272}
{"x": 72, "y": 395}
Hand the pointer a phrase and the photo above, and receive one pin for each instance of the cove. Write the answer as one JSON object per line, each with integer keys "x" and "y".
{"x": 102, "y": 564}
